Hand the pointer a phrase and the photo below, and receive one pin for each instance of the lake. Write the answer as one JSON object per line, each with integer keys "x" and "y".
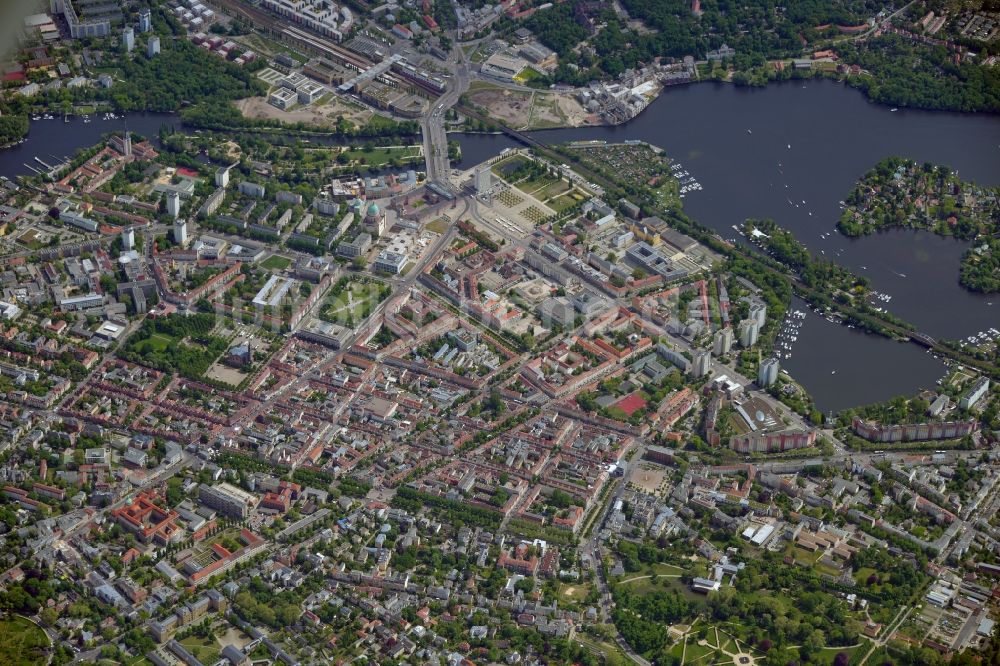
{"x": 792, "y": 152}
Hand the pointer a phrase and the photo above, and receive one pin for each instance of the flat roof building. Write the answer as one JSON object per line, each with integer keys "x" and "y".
{"x": 227, "y": 499}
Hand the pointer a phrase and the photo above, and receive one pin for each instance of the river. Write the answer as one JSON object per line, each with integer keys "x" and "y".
{"x": 807, "y": 142}
{"x": 55, "y": 138}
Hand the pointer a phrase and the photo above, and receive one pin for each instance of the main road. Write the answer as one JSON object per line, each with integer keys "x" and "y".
{"x": 432, "y": 125}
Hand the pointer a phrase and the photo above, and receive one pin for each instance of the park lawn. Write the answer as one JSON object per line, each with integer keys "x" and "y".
{"x": 340, "y": 306}
{"x": 827, "y": 655}
{"x": 23, "y": 642}
{"x": 205, "y": 649}
{"x": 380, "y": 156}
{"x": 557, "y": 188}
{"x": 697, "y": 653}
{"x": 277, "y": 262}
{"x": 157, "y": 342}
{"x": 533, "y": 185}
{"x": 562, "y": 202}
{"x": 643, "y": 584}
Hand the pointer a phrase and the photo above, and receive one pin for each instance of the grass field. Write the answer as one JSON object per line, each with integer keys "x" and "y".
{"x": 527, "y": 74}
{"x": 382, "y": 155}
{"x": 276, "y": 262}
{"x": 156, "y": 342}
{"x": 562, "y": 202}
{"x": 574, "y": 592}
{"x": 534, "y": 186}
{"x": 438, "y": 226}
{"x": 22, "y": 642}
{"x": 205, "y": 649}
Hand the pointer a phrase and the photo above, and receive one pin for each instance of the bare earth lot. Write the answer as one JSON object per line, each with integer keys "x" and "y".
{"x": 531, "y": 110}
{"x": 324, "y": 113}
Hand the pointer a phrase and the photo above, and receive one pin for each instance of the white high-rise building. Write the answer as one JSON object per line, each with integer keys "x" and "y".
{"x": 702, "y": 364}
{"x": 128, "y": 239}
{"x": 181, "y": 232}
{"x": 758, "y": 312}
{"x": 749, "y": 331}
{"x": 723, "y": 341}
{"x": 173, "y": 204}
{"x": 153, "y": 46}
{"x": 128, "y": 39}
{"x": 767, "y": 374}
{"x": 145, "y": 20}
{"x": 483, "y": 180}
{"x": 222, "y": 177}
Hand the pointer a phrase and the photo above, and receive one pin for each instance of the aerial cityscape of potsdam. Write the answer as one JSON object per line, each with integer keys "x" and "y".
{"x": 453, "y": 333}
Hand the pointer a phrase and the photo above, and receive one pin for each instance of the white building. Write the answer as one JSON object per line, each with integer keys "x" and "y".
{"x": 128, "y": 239}
{"x": 749, "y": 332}
{"x": 702, "y": 364}
{"x": 483, "y": 179}
{"x": 390, "y": 262}
{"x": 9, "y": 311}
{"x": 255, "y": 190}
{"x": 975, "y": 394}
{"x": 173, "y": 204}
{"x": 283, "y": 98}
{"x": 128, "y": 39}
{"x": 181, "y": 232}
{"x": 145, "y": 20}
{"x": 153, "y": 47}
{"x": 222, "y": 177}
{"x": 758, "y": 312}
{"x": 767, "y": 374}
{"x": 723, "y": 341}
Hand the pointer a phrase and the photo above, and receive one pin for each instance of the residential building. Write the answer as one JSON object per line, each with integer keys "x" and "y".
{"x": 767, "y": 374}
{"x": 181, "y": 232}
{"x": 749, "y": 331}
{"x": 173, "y": 204}
{"x": 723, "y": 341}
{"x": 702, "y": 364}
{"x": 974, "y": 394}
